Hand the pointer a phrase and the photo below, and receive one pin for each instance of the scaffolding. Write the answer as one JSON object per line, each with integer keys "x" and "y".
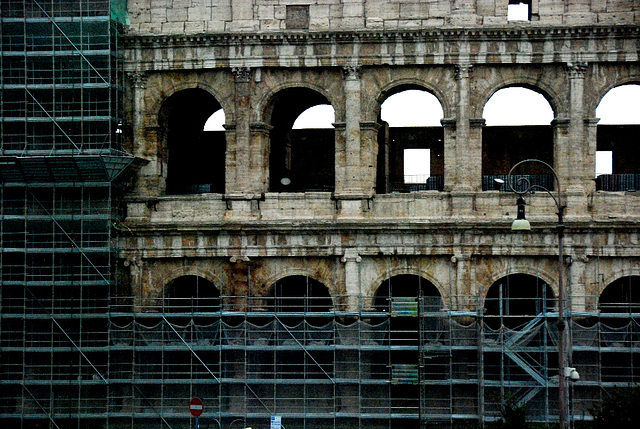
{"x": 76, "y": 349}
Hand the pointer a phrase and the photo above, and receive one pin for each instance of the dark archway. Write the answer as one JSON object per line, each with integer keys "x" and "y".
{"x": 195, "y": 157}
{"x": 298, "y": 298}
{"x": 621, "y": 297}
{"x": 300, "y": 160}
{"x": 514, "y": 300}
{"x": 411, "y": 306}
{"x": 191, "y": 294}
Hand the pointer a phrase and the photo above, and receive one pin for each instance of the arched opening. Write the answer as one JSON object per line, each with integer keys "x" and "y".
{"x": 191, "y": 294}
{"x": 619, "y": 306}
{"x": 617, "y": 149}
{"x": 302, "y": 158}
{"x": 410, "y": 142}
{"x": 519, "y": 335}
{"x": 513, "y": 301}
{"x": 297, "y": 298}
{"x": 517, "y": 127}
{"x": 303, "y": 328}
{"x": 411, "y": 305}
{"x": 195, "y": 153}
{"x": 620, "y": 301}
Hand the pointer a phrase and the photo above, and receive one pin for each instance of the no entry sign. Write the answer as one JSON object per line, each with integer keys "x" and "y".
{"x": 195, "y": 407}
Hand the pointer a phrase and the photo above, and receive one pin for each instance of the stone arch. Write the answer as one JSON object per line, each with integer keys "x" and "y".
{"x": 196, "y": 159}
{"x": 515, "y": 299}
{"x": 313, "y": 271}
{"x": 396, "y": 86}
{"x": 159, "y": 289}
{"x": 191, "y": 293}
{"x": 266, "y": 103}
{"x": 550, "y": 279}
{"x": 157, "y": 98}
{"x": 555, "y": 100}
{"x": 404, "y": 287}
{"x": 372, "y": 288}
{"x": 410, "y": 158}
{"x": 299, "y": 160}
{"x": 598, "y": 93}
{"x": 612, "y": 277}
{"x": 505, "y": 145}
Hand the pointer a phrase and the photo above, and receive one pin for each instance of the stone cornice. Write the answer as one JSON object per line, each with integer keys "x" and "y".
{"x": 484, "y": 33}
{"x": 530, "y": 45}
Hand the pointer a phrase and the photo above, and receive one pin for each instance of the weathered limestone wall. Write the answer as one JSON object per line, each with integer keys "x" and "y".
{"x": 218, "y": 16}
{"x": 355, "y": 54}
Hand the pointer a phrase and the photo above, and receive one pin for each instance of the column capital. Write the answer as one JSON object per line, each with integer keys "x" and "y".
{"x": 477, "y": 122}
{"x": 352, "y": 72}
{"x": 576, "y": 70}
{"x": 449, "y": 122}
{"x": 463, "y": 71}
{"x": 241, "y": 74}
{"x": 138, "y": 78}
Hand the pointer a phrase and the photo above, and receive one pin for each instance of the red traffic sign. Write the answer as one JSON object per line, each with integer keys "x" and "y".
{"x": 196, "y": 407}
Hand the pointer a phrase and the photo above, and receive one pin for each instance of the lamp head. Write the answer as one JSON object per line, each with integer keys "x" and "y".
{"x": 521, "y": 223}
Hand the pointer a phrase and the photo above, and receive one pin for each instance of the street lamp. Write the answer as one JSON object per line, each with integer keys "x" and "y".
{"x": 523, "y": 186}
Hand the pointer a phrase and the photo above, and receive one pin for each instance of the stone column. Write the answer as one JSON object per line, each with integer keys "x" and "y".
{"x": 147, "y": 140}
{"x": 591, "y": 142}
{"x": 577, "y": 153}
{"x": 451, "y": 180}
{"x": 561, "y": 149}
{"x": 369, "y": 159}
{"x": 576, "y": 284}
{"x": 350, "y": 182}
{"x": 352, "y": 261}
{"x": 468, "y": 136}
{"x": 238, "y": 169}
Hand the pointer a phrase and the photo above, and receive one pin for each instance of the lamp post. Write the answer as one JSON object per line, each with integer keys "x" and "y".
{"x": 522, "y": 224}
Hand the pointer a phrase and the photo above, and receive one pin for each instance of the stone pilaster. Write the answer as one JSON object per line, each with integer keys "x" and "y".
{"x": 468, "y": 144}
{"x": 576, "y": 284}
{"x": 450, "y": 157}
{"x": 577, "y": 153}
{"x": 239, "y": 177}
{"x": 369, "y": 156}
{"x": 352, "y": 261}
{"x": 351, "y": 182}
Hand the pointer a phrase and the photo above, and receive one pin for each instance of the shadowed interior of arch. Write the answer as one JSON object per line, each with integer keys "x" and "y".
{"x": 300, "y": 160}
{"x": 195, "y": 155}
{"x": 191, "y": 294}
{"x": 514, "y": 300}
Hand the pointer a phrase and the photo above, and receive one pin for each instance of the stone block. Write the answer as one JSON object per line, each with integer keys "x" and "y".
{"x": 173, "y": 27}
{"x": 486, "y": 8}
{"x": 352, "y": 23}
{"x": 280, "y": 12}
{"x": 374, "y": 23}
{"x": 243, "y": 25}
{"x": 194, "y": 27}
{"x": 413, "y": 11}
{"x": 150, "y": 28}
{"x": 579, "y": 18}
{"x": 320, "y": 24}
{"x": 266, "y": 12}
{"x": 271, "y": 24}
{"x": 618, "y": 18}
{"x": 158, "y": 15}
{"x": 352, "y": 10}
{"x": 178, "y": 14}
